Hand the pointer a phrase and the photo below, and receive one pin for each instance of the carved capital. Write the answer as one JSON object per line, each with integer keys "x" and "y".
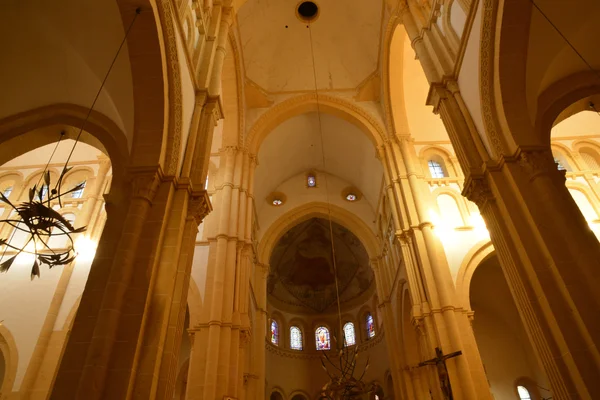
{"x": 199, "y": 206}
{"x": 245, "y": 338}
{"x": 145, "y": 184}
{"x": 478, "y": 191}
{"x": 536, "y": 162}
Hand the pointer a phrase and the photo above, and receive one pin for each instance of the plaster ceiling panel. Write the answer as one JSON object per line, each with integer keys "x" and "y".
{"x": 302, "y": 270}
{"x": 59, "y": 52}
{"x": 549, "y": 57}
{"x": 345, "y": 36}
{"x": 295, "y": 146}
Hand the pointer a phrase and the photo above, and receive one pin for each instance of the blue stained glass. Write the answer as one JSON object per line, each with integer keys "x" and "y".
{"x": 370, "y": 326}
{"x": 274, "y": 333}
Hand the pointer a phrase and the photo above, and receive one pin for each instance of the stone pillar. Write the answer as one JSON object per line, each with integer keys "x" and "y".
{"x": 260, "y": 278}
{"x": 104, "y": 314}
{"x": 547, "y": 251}
{"x": 442, "y": 320}
{"x": 549, "y": 257}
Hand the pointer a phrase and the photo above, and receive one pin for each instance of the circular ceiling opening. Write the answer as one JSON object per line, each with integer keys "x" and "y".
{"x": 307, "y": 11}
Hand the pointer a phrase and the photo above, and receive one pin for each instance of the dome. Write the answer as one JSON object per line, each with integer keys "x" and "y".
{"x": 302, "y": 273}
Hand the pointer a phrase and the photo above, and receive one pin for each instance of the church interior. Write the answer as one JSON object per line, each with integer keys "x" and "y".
{"x": 299, "y": 200}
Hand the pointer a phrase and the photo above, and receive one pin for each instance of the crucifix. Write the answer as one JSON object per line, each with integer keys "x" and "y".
{"x": 440, "y": 363}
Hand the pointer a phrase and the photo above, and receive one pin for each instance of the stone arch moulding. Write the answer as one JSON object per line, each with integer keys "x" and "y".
{"x": 308, "y": 103}
{"x": 492, "y": 74}
{"x": 23, "y": 132}
{"x": 8, "y": 347}
{"x": 560, "y": 95}
{"x": 320, "y": 210}
{"x": 153, "y": 54}
{"x": 478, "y": 253}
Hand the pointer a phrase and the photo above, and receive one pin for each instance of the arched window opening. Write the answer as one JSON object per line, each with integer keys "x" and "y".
{"x": 276, "y": 396}
{"x": 322, "y": 338}
{"x": 523, "y": 393}
{"x": 295, "y": 338}
{"x": 449, "y": 211}
{"x": 78, "y": 194}
{"x": 559, "y": 164}
{"x": 349, "y": 334}
{"x": 274, "y": 333}
{"x": 6, "y": 192}
{"x": 436, "y": 169}
{"x": 311, "y": 180}
{"x": 370, "y": 326}
{"x": 590, "y": 157}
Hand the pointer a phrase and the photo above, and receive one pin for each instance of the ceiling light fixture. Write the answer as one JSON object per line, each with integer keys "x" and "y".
{"x": 342, "y": 383}
{"x": 37, "y": 219}
{"x": 277, "y": 202}
{"x": 351, "y": 197}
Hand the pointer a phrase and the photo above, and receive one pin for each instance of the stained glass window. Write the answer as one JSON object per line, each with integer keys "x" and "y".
{"x": 370, "y": 326}
{"x": 311, "y": 181}
{"x": 295, "y": 338}
{"x": 79, "y": 192}
{"x": 8, "y": 191}
{"x": 349, "y": 334}
{"x": 436, "y": 170}
{"x": 274, "y": 333}
{"x": 322, "y": 338}
{"x": 523, "y": 393}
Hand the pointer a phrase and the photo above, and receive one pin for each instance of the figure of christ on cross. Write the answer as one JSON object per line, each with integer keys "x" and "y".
{"x": 440, "y": 363}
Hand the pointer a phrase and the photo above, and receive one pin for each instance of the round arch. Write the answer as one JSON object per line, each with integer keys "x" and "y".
{"x": 308, "y": 103}
{"x": 27, "y": 131}
{"x": 478, "y": 253}
{"x": 9, "y": 351}
{"x": 311, "y": 210}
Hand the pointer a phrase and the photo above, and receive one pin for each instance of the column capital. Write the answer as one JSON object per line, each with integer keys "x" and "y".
{"x": 199, "y": 205}
{"x": 537, "y": 161}
{"x": 144, "y": 182}
{"x": 477, "y": 190}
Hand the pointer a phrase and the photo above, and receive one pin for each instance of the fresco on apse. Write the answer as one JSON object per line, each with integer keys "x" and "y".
{"x": 302, "y": 266}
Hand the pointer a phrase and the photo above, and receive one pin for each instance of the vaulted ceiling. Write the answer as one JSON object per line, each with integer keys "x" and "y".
{"x": 276, "y": 44}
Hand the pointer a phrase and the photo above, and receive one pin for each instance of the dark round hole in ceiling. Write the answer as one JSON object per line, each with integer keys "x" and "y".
{"x": 308, "y": 10}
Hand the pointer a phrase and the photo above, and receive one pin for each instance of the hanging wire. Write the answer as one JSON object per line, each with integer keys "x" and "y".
{"x": 565, "y": 39}
{"x": 114, "y": 60}
{"x": 337, "y": 289}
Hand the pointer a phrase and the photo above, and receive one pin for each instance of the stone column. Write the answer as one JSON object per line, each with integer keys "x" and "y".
{"x": 547, "y": 251}
{"x": 549, "y": 257}
{"x": 442, "y": 320}
{"x": 91, "y": 351}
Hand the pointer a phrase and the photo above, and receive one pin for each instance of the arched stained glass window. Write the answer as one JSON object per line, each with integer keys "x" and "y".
{"x": 370, "y": 326}
{"x": 322, "y": 338}
{"x": 274, "y": 333}
{"x": 523, "y": 393}
{"x": 311, "y": 181}
{"x": 436, "y": 170}
{"x": 295, "y": 338}
{"x": 349, "y": 334}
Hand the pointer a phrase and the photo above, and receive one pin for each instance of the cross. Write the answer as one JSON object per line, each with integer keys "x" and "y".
{"x": 440, "y": 362}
